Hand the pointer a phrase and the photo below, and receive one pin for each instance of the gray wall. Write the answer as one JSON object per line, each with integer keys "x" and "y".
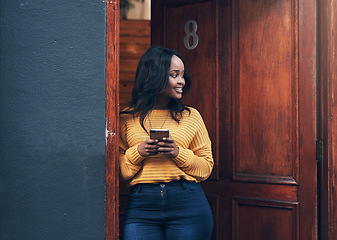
{"x": 52, "y": 119}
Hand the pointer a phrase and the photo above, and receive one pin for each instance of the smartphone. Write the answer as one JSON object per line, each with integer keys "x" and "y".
{"x": 159, "y": 133}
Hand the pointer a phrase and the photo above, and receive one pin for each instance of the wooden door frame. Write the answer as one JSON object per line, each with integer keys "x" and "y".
{"x": 112, "y": 121}
{"x": 327, "y": 73}
{"x": 327, "y": 77}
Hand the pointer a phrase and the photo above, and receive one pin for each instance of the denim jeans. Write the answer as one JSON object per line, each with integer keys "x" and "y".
{"x": 177, "y": 210}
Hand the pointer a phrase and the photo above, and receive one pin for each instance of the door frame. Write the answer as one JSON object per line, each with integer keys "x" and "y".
{"x": 112, "y": 121}
{"x": 327, "y": 75}
{"x": 327, "y": 117}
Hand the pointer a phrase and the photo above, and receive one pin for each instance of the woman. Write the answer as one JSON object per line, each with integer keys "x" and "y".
{"x": 166, "y": 200}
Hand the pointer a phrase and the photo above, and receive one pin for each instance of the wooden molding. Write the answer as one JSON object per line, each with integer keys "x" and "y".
{"x": 112, "y": 117}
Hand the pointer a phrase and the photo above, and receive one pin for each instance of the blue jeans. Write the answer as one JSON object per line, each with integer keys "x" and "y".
{"x": 177, "y": 210}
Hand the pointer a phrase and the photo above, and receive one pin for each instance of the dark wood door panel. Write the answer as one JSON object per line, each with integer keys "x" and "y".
{"x": 203, "y": 92}
{"x": 227, "y": 188}
{"x": 263, "y": 219}
{"x": 265, "y": 91}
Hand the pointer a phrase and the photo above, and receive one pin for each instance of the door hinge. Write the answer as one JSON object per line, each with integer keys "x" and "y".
{"x": 319, "y": 151}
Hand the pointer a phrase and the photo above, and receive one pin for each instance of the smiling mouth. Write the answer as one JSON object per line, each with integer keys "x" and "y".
{"x": 179, "y": 89}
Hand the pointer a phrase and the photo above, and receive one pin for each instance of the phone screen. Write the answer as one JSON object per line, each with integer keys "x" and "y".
{"x": 159, "y": 133}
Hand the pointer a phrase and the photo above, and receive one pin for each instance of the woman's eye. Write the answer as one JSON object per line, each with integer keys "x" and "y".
{"x": 174, "y": 75}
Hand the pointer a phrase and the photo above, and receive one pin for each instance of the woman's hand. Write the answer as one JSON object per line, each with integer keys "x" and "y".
{"x": 168, "y": 147}
{"x": 148, "y": 148}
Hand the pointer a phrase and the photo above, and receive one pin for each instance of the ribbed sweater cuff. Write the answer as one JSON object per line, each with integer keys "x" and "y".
{"x": 184, "y": 158}
{"x": 133, "y": 155}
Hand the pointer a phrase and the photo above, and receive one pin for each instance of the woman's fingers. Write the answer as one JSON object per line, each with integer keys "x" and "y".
{"x": 151, "y": 147}
{"x": 167, "y": 146}
{"x": 148, "y": 147}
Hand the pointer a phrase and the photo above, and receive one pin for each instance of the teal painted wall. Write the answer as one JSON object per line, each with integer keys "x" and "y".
{"x": 52, "y": 119}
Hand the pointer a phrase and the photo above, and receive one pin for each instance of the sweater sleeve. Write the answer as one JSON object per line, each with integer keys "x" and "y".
{"x": 130, "y": 161}
{"x": 197, "y": 160}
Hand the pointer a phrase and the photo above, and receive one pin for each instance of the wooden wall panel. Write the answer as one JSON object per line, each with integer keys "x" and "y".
{"x": 135, "y": 39}
{"x": 264, "y": 219}
{"x": 265, "y": 91}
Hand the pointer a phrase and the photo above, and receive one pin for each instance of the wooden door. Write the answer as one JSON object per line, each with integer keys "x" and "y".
{"x": 252, "y": 64}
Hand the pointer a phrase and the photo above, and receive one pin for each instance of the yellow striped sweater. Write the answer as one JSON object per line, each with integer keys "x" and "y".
{"x": 193, "y": 163}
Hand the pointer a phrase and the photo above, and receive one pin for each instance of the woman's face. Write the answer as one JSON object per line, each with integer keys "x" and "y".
{"x": 176, "y": 82}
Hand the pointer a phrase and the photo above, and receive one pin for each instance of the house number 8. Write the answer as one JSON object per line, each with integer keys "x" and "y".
{"x": 191, "y": 34}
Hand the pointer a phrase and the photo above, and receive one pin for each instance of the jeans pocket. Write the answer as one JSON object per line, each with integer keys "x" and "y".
{"x": 193, "y": 188}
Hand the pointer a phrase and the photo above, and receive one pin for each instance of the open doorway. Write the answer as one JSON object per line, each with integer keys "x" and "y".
{"x": 256, "y": 89}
